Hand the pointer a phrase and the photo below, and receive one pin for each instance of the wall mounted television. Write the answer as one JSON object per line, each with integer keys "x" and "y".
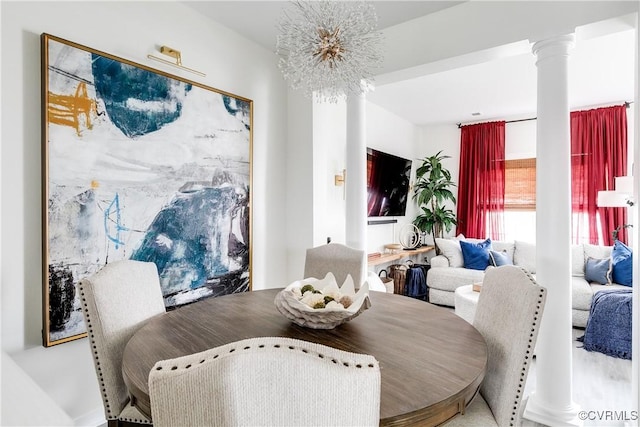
{"x": 387, "y": 184}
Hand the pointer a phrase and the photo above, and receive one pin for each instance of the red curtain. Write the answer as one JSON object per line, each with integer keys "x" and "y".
{"x": 481, "y": 181}
{"x": 598, "y": 155}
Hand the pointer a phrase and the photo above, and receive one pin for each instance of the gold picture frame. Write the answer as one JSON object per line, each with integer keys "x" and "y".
{"x": 139, "y": 164}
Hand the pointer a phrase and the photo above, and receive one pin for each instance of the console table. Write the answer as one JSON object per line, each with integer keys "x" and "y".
{"x": 384, "y": 258}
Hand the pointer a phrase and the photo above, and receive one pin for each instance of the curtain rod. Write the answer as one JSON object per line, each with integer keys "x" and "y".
{"x": 626, "y": 104}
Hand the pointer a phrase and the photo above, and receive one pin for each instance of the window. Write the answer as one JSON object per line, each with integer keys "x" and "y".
{"x": 520, "y": 199}
{"x": 520, "y": 184}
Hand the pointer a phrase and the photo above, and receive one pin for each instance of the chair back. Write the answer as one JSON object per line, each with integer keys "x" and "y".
{"x": 117, "y": 300}
{"x": 508, "y": 316}
{"x": 338, "y": 259}
{"x": 270, "y": 381}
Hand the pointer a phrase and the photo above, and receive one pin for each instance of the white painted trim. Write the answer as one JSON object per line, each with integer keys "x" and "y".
{"x": 635, "y": 234}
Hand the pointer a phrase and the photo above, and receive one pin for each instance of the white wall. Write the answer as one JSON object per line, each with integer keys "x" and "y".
{"x": 520, "y": 140}
{"x": 130, "y": 30}
{"x": 329, "y": 159}
{"x": 394, "y": 135}
{"x": 299, "y": 217}
{"x": 445, "y": 138}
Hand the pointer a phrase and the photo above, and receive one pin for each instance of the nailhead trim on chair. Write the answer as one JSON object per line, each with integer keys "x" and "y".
{"x": 290, "y": 347}
{"x": 526, "y": 357}
{"x": 135, "y": 420}
{"x": 96, "y": 358}
{"x": 94, "y": 350}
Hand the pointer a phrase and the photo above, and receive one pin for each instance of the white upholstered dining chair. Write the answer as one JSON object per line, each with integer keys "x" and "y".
{"x": 117, "y": 300}
{"x": 508, "y": 316}
{"x": 271, "y": 381}
{"x": 338, "y": 259}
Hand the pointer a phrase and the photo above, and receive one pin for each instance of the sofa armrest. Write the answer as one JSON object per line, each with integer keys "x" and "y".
{"x": 439, "y": 261}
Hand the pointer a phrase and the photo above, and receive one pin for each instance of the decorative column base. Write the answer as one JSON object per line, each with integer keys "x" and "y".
{"x": 542, "y": 414}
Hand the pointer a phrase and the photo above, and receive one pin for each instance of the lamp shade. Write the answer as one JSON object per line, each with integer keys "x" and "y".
{"x": 624, "y": 184}
{"x": 611, "y": 199}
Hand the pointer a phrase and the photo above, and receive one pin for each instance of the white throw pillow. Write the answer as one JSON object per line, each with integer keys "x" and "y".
{"x": 596, "y": 251}
{"x": 577, "y": 261}
{"x": 525, "y": 256}
{"x": 450, "y": 248}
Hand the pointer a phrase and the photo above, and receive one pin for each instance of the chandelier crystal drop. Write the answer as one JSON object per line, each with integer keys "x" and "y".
{"x": 329, "y": 47}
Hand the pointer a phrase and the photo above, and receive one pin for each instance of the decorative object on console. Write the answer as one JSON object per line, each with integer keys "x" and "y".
{"x": 130, "y": 172}
{"x": 431, "y": 191}
{"x": 329, "y": 48}
{"x": 320, "y": 304}
{"x": 393, "y": 247}
{"x": 166, "y": 50}
{"x": 409, "y": 236}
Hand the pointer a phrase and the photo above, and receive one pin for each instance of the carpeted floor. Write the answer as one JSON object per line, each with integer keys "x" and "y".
{"x": 600, "y": 383}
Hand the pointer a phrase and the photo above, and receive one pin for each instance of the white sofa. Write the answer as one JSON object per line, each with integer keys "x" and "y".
{"x": 447, "y": 272}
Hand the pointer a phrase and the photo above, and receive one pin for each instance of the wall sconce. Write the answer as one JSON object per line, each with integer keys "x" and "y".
{"x": 339, "y": 180}
{"x": 621, "y": 197}
{"x": 173, "y": 53}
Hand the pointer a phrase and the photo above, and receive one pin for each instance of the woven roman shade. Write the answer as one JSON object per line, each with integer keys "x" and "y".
{"x": 520, "y": 184}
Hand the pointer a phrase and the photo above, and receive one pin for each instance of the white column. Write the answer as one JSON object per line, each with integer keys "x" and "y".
{"x": 635, "y": 233}
{"x": 356, "y": 179}
{"x": 551, "y": 403}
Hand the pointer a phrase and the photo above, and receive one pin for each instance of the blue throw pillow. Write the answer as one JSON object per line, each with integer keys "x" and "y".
{"x": 500, "y": 258}
{"x": 621, "y": 258}
{"x": 476, "y": 255}
{"x": 598, "y": 271}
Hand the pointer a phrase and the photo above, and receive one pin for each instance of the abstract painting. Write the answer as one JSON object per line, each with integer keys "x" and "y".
{"x": 139, "y": 164}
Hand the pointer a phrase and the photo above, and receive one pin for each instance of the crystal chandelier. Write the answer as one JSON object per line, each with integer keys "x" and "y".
{"x": 329, "y": 47}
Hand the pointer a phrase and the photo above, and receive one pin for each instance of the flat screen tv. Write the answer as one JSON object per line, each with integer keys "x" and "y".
{"x": 387, "y": 184}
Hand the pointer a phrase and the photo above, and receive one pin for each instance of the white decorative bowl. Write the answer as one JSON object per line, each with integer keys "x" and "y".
{"x": 290, "y": 306}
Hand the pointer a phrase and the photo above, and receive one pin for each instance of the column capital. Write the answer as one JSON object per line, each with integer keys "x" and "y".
{"x": 554, "y": 46}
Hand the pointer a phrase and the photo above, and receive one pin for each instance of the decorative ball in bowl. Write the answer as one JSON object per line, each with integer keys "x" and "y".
{"x": 320, "y": 303}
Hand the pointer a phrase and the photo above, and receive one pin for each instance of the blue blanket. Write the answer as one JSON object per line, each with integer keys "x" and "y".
{"x": 415, "y": 285}
{"x": 608, "y": 328}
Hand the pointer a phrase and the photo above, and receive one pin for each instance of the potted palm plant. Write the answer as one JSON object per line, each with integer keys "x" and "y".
{"x": 432, "y": 190}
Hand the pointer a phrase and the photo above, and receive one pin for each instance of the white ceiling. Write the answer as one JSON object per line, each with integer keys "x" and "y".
{"x": 257, "y": 20}
{"x": 601, "y": 72}
{"x": 601, "y": 68}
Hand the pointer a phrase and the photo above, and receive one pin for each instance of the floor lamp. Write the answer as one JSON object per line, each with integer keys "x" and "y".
{"x": 621, "y": 197}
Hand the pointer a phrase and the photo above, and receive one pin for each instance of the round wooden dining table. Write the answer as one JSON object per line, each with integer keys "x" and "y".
{"x": 432, "y": 362}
